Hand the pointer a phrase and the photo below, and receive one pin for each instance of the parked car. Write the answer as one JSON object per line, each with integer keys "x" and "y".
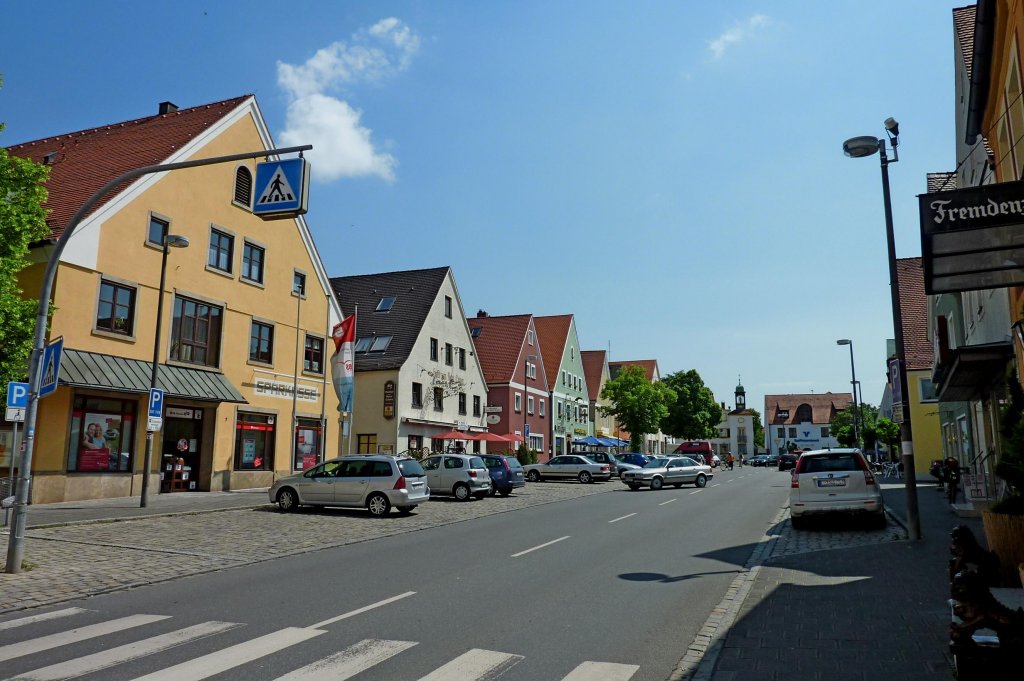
{"x": 834, "y": 481}
{"x": 715, "y": 460}
{"x": 771, "y": 460}
{"x": 375, "y": 482}
{"x": 663, "y": 470}
{"x": 602, "y": 457}
{"x": 637, "y": 459}
{"x": 758, "y": 460}
{"x": 787, "y": 460}
{"x": 506, "y": 473}
{"x": 458, "y": 475}
{"x": 568, "y": 466}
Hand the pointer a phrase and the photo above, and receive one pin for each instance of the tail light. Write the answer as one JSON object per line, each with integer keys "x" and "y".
{"x": 794, "y": 481}
{"x": 472, "y": 473}
{"x": 400, "y": 483}
{"x": 869, "y": 477}
{"x": 605, "y": 468}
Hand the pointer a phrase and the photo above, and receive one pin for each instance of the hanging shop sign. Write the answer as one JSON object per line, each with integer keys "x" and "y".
{"x": 389, "y": 399}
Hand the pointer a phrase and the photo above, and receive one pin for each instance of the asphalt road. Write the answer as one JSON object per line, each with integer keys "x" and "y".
{"x": 625, "y": 579}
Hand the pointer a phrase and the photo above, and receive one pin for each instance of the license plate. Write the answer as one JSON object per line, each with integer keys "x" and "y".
{"x": 832, "y": 482}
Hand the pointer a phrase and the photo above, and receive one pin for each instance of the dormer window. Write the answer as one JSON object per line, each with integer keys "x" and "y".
{"x": 476, "y": 331}
{"x": 380, "y": 343}
{"x": 385, "y": 304}
{"x": 363, "y": 344}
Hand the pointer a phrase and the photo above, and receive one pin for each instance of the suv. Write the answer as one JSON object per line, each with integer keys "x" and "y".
{"x": 787, "y": 460}
{"x": 374, "y": 482}
{"x": 830, "y": 481}
{"x": 602, "y": 457}
{"x": 460, "y": 475}
{"x": 506, "y": 473}
{"x": 634, "y": 458}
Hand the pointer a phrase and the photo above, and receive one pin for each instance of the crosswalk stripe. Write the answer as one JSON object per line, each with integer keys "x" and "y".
{"x": 602, "y": 671}
{"x": 131, "y": 651}
{"x": 36, "y": 645}
{"x": 66, "y": 612}
{"x": 229, "y": 658}
{"x": 349, "y": 662}
{"x": 475, "y": 665}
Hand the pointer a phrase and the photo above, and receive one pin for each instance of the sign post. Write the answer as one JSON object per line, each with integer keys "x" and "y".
{"x": 156, "y": 410}
{"x": 17, "y": 402}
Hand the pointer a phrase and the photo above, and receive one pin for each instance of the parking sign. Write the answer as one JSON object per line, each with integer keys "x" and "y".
{"x": 17, "y": 395}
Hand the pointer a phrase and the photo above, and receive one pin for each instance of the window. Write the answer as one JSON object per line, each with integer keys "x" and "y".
{"x": 367, "y": 444}
{"x": 102, "y": 435}
{"x": 261, "y": 343}
{"x": 476, "y": 405}
{"x": 252, "y": 263}
{"x": 433, "y": 349}
{"x": 380, "y": 344}
{"x": 157, "y": 230}
{"x": 448, "y": 354}
{"x": 563, "y": 378}
{"x": 195, "y": 332}
{"x": 781, "y": 432}
{"x": 116, "y": 311}
{"x": 825, "y": 431}
{"x": 448, "y": 307}
{"x": 462, "y": 403}
{"x": 475, "y": 331}
{"x": 804, "y": 414}
{"x": 542, "y": 406}
{"x": 385, "y": 304}
{"x": 519, "y": 402}
{"x": 243, "y": 186}
{"x": 417, "y": 400}
{"x": 529, "y": 404}
{"x": 299, "y": 284}
{"x": 308, "y": 436}
{"x": 221, "y": 250}
{"x": 529, "y": 336}
{"x": 927, "y": 390}
{"x": 254, "y": 442}
{"x": 462, "y": 358}
{"x": 792, "y": 433}
{"x": 363, "y": 344}
{"x": 559, "y": 410}
{"x": 313, "y": 357}
{"x": 438, "y": 399}
{"x": 415, "y": 443}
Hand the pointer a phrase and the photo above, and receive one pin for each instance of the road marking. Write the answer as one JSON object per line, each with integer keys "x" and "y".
{"x": 475, "y": 664}
{"x": 717, "y": 484}
{"x": 553, "y": 541}
{"x": 360, "y": 611}
{"x": 621, "y": 518}
{"x": 602, "y": 671}
{"x": 130, "y": 651}
{"x": 730, "y": 480}
{"x": 229, "y": 658}
{"x": 695, "y": 491}
{"x": 66, "y": 612}
{"x": 666, "y": 502}
{"x": 37, "y": 645}
{"x": 349, "y": 662}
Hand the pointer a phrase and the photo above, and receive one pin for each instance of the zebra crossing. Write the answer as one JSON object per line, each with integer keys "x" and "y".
{"x": 365, "y": 655}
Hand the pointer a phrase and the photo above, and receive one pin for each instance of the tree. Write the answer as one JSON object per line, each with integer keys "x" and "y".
{"x": 758, "y": 430}
{"x": 637, "y": 404}
{"x": 842, "y": 426}
{"x": 694, "y": 414}
{"x": 22, "y": 222}
{"x": 888, "y": 434}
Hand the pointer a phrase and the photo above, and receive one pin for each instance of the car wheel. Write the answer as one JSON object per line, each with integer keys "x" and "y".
{"x": 378, "y": 505}
{"x": 585, "y": 477}
{"x": 287, "y": 499}
{"x": 633, "y": 486}
{"x": 404, "y": 510}
{"x": 533, "y": 476}
{"x": 657, "y": 483}
{"x": 701, "y": 480}
{"x": 461, "y": 492}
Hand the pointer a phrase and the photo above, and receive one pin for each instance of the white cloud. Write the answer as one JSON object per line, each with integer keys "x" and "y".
{"x": 342, "y": 146}
{"x": 735, "y": 35}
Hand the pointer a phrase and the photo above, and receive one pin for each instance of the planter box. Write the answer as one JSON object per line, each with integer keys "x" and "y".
{"x": 1005, "y": 535}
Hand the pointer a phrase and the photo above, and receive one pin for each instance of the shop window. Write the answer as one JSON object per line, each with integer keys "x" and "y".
{"x": 195, "y": 332}
{"x": 313, "y": 359}
{"x": 308, "y": 438}
{"x": 261, "y": 343}
{"x": 102, "y": 436}
{"x": 222, "y": 248}
{"x": 415, "y": 443}
{"x": 367, "y": 443}
{"x": 252, "y": 263}
{"x": 116, "y": 310}
{"x": 254, "y": 442}
{"x": 243, "y": 186}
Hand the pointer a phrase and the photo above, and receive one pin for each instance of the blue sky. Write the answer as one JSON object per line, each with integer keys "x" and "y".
{"x": 671, "y": 172}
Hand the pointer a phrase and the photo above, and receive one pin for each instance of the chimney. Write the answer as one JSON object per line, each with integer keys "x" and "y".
{"x": 482, "y": 313}
{"x": 167, "y": 107}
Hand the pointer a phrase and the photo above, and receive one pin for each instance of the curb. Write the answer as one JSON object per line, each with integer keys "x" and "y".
{"x": 98, "y": 521}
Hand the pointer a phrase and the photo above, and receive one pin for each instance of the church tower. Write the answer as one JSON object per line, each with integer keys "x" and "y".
{"x": 741, "y": 396}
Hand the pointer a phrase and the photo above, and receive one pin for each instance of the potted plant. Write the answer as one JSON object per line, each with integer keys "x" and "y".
{"x": 1004, "y": 520}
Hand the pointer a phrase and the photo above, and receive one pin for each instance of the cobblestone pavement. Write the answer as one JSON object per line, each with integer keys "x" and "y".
{"x": 77, "y": 560}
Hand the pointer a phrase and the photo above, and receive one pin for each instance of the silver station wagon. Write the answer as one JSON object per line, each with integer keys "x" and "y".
{"x": 374, "y": 482}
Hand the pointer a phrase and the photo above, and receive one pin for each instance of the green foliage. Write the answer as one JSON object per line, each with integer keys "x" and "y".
{"x": 758, "y": 430}
{"x": 693, "y": 414}
{"x": 842, "y": 426}
{"x": 1010, "y": 465}
{"x": 637, "y": 404}
{"x": 844, "y": 435}
{"x": 888, "y": 433}
{"x": 526, "y": 455}
{"x": 22, "y": 222}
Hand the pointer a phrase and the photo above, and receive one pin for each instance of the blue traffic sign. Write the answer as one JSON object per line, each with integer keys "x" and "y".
{"x": 156, "y": 403}
{"x": 526, "y": 429}
{"x": 282, "y": 188}
{"x": 17, "y": 395}
{"x": 50, "y": 369}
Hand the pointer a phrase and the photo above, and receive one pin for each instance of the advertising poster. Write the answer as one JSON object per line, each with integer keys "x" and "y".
{"x": 248, "y": 452}
{"x": 99, "y": 437}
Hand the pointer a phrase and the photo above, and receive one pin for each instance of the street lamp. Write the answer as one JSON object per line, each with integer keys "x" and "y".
{"x": 859, "y": 147}
{"x": 526, "y": 400}
{"x": 853, "y": 384}
{"x": 176, "y": 241}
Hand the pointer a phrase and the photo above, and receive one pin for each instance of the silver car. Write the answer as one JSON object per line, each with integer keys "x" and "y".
{"x": 668, "y": 470}
{"x": 568, "y": 466}
{"x": 460, "y": 475}
{"x": 374, "y": 482}
{"x": 836, "y": 481}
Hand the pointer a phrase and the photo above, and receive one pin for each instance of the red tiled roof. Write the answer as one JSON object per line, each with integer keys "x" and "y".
{"x": 823, "y": 406}
{"x": 499, "y": 346}
{"x": 88, "y": 159}
{"x": 552, "y": 332}
{"x": 593, "y": 367}
{"x": 914, "y": 310}
{"x": 648, "y": 365}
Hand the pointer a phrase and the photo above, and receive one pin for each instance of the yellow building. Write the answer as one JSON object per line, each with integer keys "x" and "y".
{"x": 247, "y": 312}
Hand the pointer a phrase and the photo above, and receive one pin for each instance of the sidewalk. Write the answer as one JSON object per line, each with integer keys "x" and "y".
{"x": 876, "y": 611}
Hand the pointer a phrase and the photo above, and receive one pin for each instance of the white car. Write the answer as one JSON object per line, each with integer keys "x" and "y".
{"x": 834, "y": 481}
{"x": 568, "y": 466}
{"x": 668, "y": 470}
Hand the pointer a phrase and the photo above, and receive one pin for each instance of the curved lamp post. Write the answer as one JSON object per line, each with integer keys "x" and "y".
{"x": 860, "y": 147}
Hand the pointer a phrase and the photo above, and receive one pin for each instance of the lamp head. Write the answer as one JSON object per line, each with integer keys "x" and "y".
{"x": 892, "y": 127}
{"x": 859, "y": 147}
{"x": 844, "y": 341}
{"x": 176, "y": 241}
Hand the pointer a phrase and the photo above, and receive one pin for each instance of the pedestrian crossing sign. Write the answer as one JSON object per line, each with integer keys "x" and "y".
{"x": 50, "y": 370}
{"x": 282, "y": 188}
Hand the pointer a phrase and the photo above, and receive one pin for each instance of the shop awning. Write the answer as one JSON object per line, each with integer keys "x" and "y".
{"x": 120, "y": 374}
{"x": 972, "y": 370}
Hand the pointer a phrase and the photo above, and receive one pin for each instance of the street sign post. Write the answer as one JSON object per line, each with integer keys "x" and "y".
{"x": 156, "y": 410}
{"x": 282, "y": 188}
{"x": 50, "y": 370}
{"x": 17, "y": 401}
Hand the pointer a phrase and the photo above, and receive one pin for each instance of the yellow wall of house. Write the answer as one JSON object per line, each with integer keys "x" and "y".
{"x": 925, "y": 423}
{"x": 369, "y": 410}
